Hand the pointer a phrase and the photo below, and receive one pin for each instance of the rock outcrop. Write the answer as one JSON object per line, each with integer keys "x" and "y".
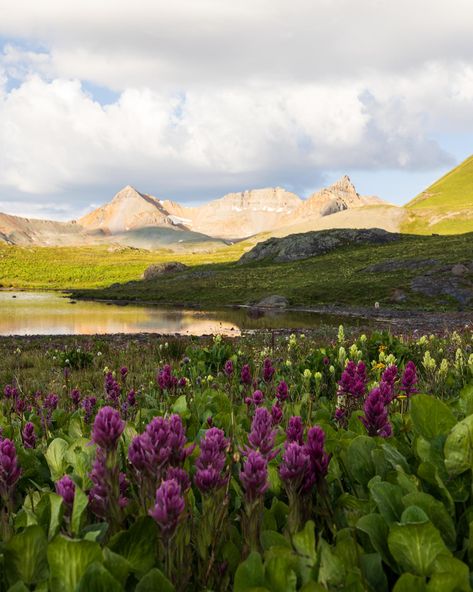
{"x": 310, "y": 244}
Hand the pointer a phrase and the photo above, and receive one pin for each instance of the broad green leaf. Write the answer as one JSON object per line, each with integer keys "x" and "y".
{"x": 437, "y": 514}
{"x": 180, "y": 406}
{"x": 154, "y": 580}
{"x": 271, "y": 538}
{"x": 250, "y": 574}
{"x": 25, "y": 556}
{"x": 414, "y": 515}
{"x": 68, "y": 560}
{"x": 98, "y": 579}
{"x": 410, "y": 583}
{"x": 304, "y": 542}
{"x": 395, "y": 458}
{"x": 280, "y": 575}
{"x": 331, "y": 570}
{"x": 388, "y": 499}
{"x": 430, "y": 416}
{"x": 458, "y": 449}
{"x": 359, "y": 460}
{"x": 374, "y": 525}
{"x": 78, "y": 509}
{"x": 55, "y": 457}
{"x": 373, "y": 572}
{"x": 116, "y": 565}
{"x": 449, "y": 574}
{"x": 18, "y": 587}
{"x": 138, "y": 545}
{"x": 56, "y": 505}
{"x": 415, "y": 547}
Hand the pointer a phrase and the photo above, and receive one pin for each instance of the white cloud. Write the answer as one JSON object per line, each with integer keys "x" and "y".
{"x": 217, "y": 95}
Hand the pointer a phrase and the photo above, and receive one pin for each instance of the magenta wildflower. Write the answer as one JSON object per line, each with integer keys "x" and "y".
{"x": 165, "y": 378}
{"x": 123, "y": 372}
{"x": 254, "y": 476}
{"x": 282, "y": 391}
{"x": 319, "y": 459}
{"x": 409, "y": 379}
{"x": 262, "y": 435}
{"x": 295, "y": 430}
{"x": 276, "y": 414}
{"x": 376, "y": 420}
{"x": 75, "y": 397}
{"x": 131, "y": 398}
{"x": 112, "y": 390}
{"x": 169, "y": 506}
{"x": 295, "y": 465}
{"x": 28, "y": 435}
{"x": 9, "y": 469}
{"x": 353, "y": 380}
{"x": 246, "y": 375}
{"x": 88, "y": 405}
{"x": 181, "y": 476}
{"x": 211, "y": 461}
{"x": 66, "y": 488}
{"x": 268, "y": 370}
{"x": 257, "y": 398}
{"x": 228, "y": 368}
{"x": 107, "y": 429}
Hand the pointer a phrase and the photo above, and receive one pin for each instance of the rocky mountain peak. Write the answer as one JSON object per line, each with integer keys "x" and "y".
{"x": 128, "y": 192}
{"x": 343, "y": 185}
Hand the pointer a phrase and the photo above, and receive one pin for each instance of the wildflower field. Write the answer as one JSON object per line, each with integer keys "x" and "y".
{"x": 251, "y": 464}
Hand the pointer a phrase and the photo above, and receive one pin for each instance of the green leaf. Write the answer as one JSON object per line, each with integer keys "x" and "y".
{"x": 458, "y": 449}
{"x": 414, "y": 515}
{"x": 437, "y": 514}
{"x": 449, "y": 574}
{"x": 395, "y": 458}
{"x": 18, "y": 587}
{"x": 25, "y": 556}
{"x": 138, "y": 545}
{"x": 180, "y": 406}
{"x": 373, "y": 572}
{"x": 78, "y": 509}
{"x": 250, "y": 574}
{"x": 304, "y": 542}
{"x": 430, "y": 416}
{"x": 56, "y": 505}
{"x": 359, "y": 460}
{"x": 98, "y": 579}
{"x": 280, "y": 575}
{"x": 116, "y": 565}
{"x": 68, "y": 561}
{"x": 374, "y": 525}
{"x": 154, "y": 580}
{"x": 331, "y": 569}
{"x": 410, "y": 583}
{"x": 55, "y": 457}
{"x": 415, "y": 547}
{"x": 388, "y": 499}
{"x": 271, "y": 538}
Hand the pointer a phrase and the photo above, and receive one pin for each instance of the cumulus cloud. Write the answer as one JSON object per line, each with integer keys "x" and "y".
{"x": 215, "y": 96}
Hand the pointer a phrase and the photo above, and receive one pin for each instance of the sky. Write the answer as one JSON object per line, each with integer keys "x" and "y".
{"x": 190, "y": 100}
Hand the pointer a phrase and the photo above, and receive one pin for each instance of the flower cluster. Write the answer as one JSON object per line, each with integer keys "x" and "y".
{"x": 9, "y": 468}
{"x": 211, "y": 461}
{"x": 376, "y": 419}
{"x": 353, "y": 380}
{"x": 169, "y": 506}
{"x": 165, "y": 378}
{"x": 262, "y": 435}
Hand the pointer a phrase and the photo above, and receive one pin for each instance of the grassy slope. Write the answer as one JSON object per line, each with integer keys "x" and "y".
{"x": 89, "y": 267}
{"x": 445, "y": 207}
{"x": 336, "y": 278}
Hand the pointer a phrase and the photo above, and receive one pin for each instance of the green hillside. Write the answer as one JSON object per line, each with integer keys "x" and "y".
{"x": 446, "y": 207}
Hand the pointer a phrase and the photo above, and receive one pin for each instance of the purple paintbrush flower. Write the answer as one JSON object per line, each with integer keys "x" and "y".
{"x": 211, "y": 461}
{"x": 375, "y": 419}
{"x": 169, "y": 506}
{"x": 262, "y": 435}
{"x": 295, "y": 430}
{"x": 254, "y": 476}
{"x": 9, "y": 469}
{"x": 28, "y": 435}
{"x": 66, "y": 488}
{"x": 107, "y": 429}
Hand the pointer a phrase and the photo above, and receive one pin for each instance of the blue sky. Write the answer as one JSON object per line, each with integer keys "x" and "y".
{"x": 193, "y": 100}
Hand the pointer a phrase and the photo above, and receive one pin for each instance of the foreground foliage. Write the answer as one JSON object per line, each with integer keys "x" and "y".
{"x": 219, "y": 465}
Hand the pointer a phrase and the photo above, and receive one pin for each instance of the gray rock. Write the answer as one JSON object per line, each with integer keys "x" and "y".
{"x": 158, "y": 269}
{"x": 459, "y": 270}
{"x": 444, "y": 284}
{"x": 311, "y": 244}
{"x": 274, "y": 301}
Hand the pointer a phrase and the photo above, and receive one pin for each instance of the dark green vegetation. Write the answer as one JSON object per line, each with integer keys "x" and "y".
{"x": 385, "y": 513}
{"x": 446, "y": 206}
{"x": 414, "y": 272}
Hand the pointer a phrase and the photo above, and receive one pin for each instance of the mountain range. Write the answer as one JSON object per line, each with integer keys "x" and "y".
{"x": 140, "y": 220}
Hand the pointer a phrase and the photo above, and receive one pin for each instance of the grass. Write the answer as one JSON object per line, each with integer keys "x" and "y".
{"x": 339, "y": 277}
{"x": 446, "y": 207}
{"x": 57, "y": 268}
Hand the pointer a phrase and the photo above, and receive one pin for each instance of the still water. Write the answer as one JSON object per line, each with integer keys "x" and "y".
{"x": 45, "y": 313}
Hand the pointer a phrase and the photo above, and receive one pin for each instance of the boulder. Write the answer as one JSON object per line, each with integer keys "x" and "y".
{"x": 156, "y": 270}
{"x": 274, "y": 301}
{"x": 459, "y": 270}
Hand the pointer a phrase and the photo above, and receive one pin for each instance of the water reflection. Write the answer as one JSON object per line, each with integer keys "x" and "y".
{"x": 44, "y": 313}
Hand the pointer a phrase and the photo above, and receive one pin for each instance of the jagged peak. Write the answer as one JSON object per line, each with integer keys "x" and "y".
{"x": 127, "y": 192}
{"x": 343, "y": 184}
